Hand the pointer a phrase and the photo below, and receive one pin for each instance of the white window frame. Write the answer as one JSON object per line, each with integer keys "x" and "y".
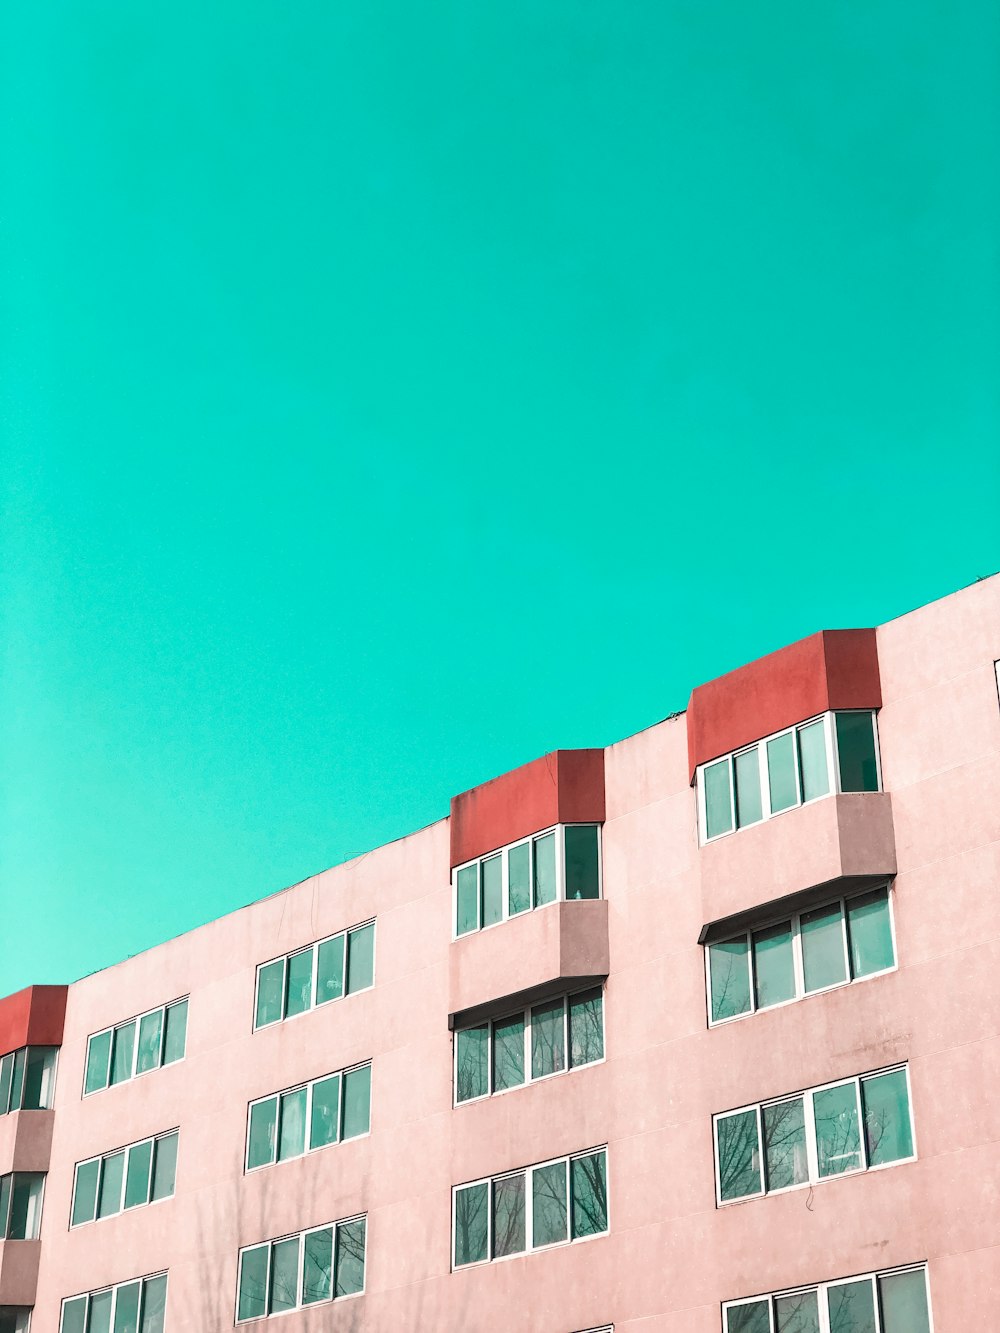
{"x": 822, "y": 1288}
{"x": 314, "y": 949}
{"x": 797, "y": 960}
{"x": 528, "y": 1172}
{"x": 300, "y": 1236}
{"x": 50, "y": 1086}
{"x": 36, "y": 1211}
{"x": 812, "y": 1150}
{"x": 115, "y": 1289}
{"x": 308, "y": 1087}
{"x": 128, "y": 1149}
{"x": 832, "y": 763}
{"x": 504, "y": 853}
{"x": 489, "y": 1023}
{"x": 137, "y": 1020}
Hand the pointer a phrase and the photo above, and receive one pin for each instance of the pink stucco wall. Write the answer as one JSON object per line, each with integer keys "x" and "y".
{"x": 671, "y": 1256}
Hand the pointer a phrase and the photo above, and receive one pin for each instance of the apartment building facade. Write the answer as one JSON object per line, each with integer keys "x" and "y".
{"x": 699, "y": 1032}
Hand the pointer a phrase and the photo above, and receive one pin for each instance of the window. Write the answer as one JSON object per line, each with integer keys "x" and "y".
{"x": 315, "y": 1266}
{"x": 892, "y": 1302}
{"x": 843, "y": 941}
{"x": 14, "y": 1319}
{"x": 315, "y": 975}
{"x": 562, "y": 863}
{"x": 836, "y": 752}
{"x": 28, "y": 1079}
{"x": 129, "y": 1049}
{"x": 854, "y": 1125}
{"x": 130, "y": 1307}
{"x": 126, "y": 1178}
{"x": 534, "y": 1043}
{"x": 21, "y": 1205}
{"x": 311, "y": 1116}
{"x": 553, "y": 1203}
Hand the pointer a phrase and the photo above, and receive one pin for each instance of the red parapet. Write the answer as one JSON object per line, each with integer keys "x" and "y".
{"x": 32, "y": 1017}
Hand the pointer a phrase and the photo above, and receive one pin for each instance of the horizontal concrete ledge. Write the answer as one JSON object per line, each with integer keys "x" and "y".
{"x": 714, "y": 931}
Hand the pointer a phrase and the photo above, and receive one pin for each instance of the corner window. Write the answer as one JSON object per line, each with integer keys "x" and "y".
{"x": 563, "y": 863}
{"x": 27, "y": 1079}
{"x": 127, "y": 1178}
{"x": 14, "y": 1319}
{"x": 138, "y": 1305}
{"x": 310, "y": 1268}
{"x": 315, "y": 975}
{"x": 896, "y": 1301}
{"x": 21, "y": 1205}
{"x": 833, "y": 945}
{"x": 135, "y": 1047}
{"x": 311, "y": 1116}
{"x": 837, "y": 752}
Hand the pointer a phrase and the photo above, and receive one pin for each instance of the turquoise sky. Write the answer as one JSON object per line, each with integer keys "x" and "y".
{"x": 392, "y": 393}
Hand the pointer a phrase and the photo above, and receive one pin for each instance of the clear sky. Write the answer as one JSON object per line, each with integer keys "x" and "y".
{"x": 394, "y": 392}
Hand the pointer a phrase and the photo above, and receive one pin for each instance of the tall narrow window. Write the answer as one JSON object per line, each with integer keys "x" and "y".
{"x": 856, "y": 752}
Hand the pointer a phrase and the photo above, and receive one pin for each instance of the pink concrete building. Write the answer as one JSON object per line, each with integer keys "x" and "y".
{"x": 698, "y": 1033}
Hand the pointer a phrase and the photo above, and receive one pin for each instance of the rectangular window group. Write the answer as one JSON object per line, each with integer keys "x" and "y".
{"x": 312, "y": 1267}
{"x": 311, "y": 1116}
{"x": 137, "y": 1305}
{"x": 549, "y": 1204}
{"x": 890, "y": 1302}
{"x": 834, "y": 752}
{"x": 563, "y": 863}
{"x": 27, "y": 1079}
{"x": 853, "y": 1125}
{"x": 126, "y": 1178}
{"x": 21, "y": 1205}
{"x": 317, "y": 974}
{"x": 531, "y": 1044}
{"x": 136, "y": 1047}
{"x": 810, "y": 951}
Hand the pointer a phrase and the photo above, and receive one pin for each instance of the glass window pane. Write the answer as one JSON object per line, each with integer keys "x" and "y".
{"x": 508, "y": 1053}
{"x": 140, "y": 1159}
{"x": 253, "y": 1283}
{"x": 471, "y": 1223}
{"x": 549, "y": 1211}
{"x": 357, "y": 1102}
{"x": 99, "y": 1314}
{"x": 360, "y": 958}
{"x": 545, "y": 869}
{"x": 812, "y": 761}
{"x": 175, "y": 1040}
{"x": 292, "y": 1124}
{"x": 39, "y": 1070}
{"x": 902, "y": 1301}
{"x": 349, "y": 1267}
{"x": 785, "y": 1144}
{"x": 856, "y": 751}
{"x": 164, "y": 1166}
{"x": 6, "y": 1071}
{"x": 85, "y": 1192}
{"x": 852, "y": 1307}
{"x": 718, "y": 799}
{"x": 491, "y": 887}
{"x": 154, "y": 1304}
{"x": 781, "y": 776}
{"x": 25, "y": 1206}
{"x": 838, "y": 1133}
{"x": 582, "y": 873}
{"x": 127, "y": 1307}
{"x": 548, "y": 1039}
{"x": 773, "y": 966}
{"x": 121, "y": 1053}
{"x": 74, "y": 1316}
{"x": 284, "y": 1275}
{"x": 472, "y": 1063}
{"x": 750, "y": 1318}
{"x": 324, "y": 1118}
{"x": 869, "y": 934}
{"x": 150, "y": 1029}
{"x": 112, "y": 1175}
{"x": 17, "y": 1079}
{"x": 317, "y": 1267}
{"x": 886, "y": 1102}
{"x": 467, "y": 900}
{"x": 588, "y": 1194}
{"x": 508, "y": 1216}
{"x": 270, "y": 993}
{"x": 739, "y": 1155}
{"x": 298, "y": 983}
{"x": 5, "y": 1185}
{"x": 330, "y": 969}
{"x": 748, "y": 805}
{"x": 519, "y": 878}
{"x": 263, "y": 1133}
{"x": 586, "y": 1027}
{"x": 729, "y": 970}
{"x": 798, "y": 1313}
{"x": 823, "y": 960}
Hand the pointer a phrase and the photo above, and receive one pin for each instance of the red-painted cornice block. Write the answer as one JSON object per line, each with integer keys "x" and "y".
{"x": 32, "y": 1017}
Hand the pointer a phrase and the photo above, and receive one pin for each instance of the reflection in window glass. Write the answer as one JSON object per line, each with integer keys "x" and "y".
{"x": 472, "y": 1069}
{"x": 154, "y": 1304}
{"x": 471, "y": 1224}
{"x": 324, "y": 1117}
{"x": 330, "y": 969}
{"x": 869, "y": 933}
{"x": 127, "y": 1308}
{"x": 253, "y": 1282}
{"x": 748, "y": 805}
{"x": 773, "y": 965}
{"x": 823, "y": 961}
{"x": 357, "y": 1101}
{"x": 739, "y": 1155}
{"x": 263, "y": 1133}
{"x": 812, "y": 760}
{"x": 148, "y": 1054}
{"x": 492, "y": 891}
{"x": 176, "y": 1035}
{"x": 588, "y": 1194}
{"x": 852, "y": 1307}
{"x": 292, "y": 1124}
{"x": 508, "y": 1053}
{"x": 519, "y": 878}
{"x": 838, "y": 1133}
{"x": 798, "y": 1313}
{"x": 545, "y": 869}
{"x": 508, "y": 1216}
{"x": 164, "y": 1166}
{"x": 468, "y": 900}
{"x": 270, "y": 993}
{"x": 729, "y": 970}
{"x": 121, "y": 1053}
{"x": 284, "y": 1275}
{"x": 298, "y": 986}
{"x": 782, "y": 781}
{"x": 856, "y": 751}
{"x": 586, "y": 1027}
{"x": 750, "y": 1318}
{"x": 349, "y": 1270}
{"x": 582, "y": 872}
{"x": 718, "y": 799}
{"x": 549, "y": 1213}
{"x": 785, "y": 1144}
{"x": 112, "y": 1174}
{"x": 548, "y": 1039}
{"x": 902, "y": 1301}
{"x": 317, "y": 1267}
{"x": 140, "y": 1162}
{"x": 886, "y": 1101}
{"x": 361, "y": 957}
